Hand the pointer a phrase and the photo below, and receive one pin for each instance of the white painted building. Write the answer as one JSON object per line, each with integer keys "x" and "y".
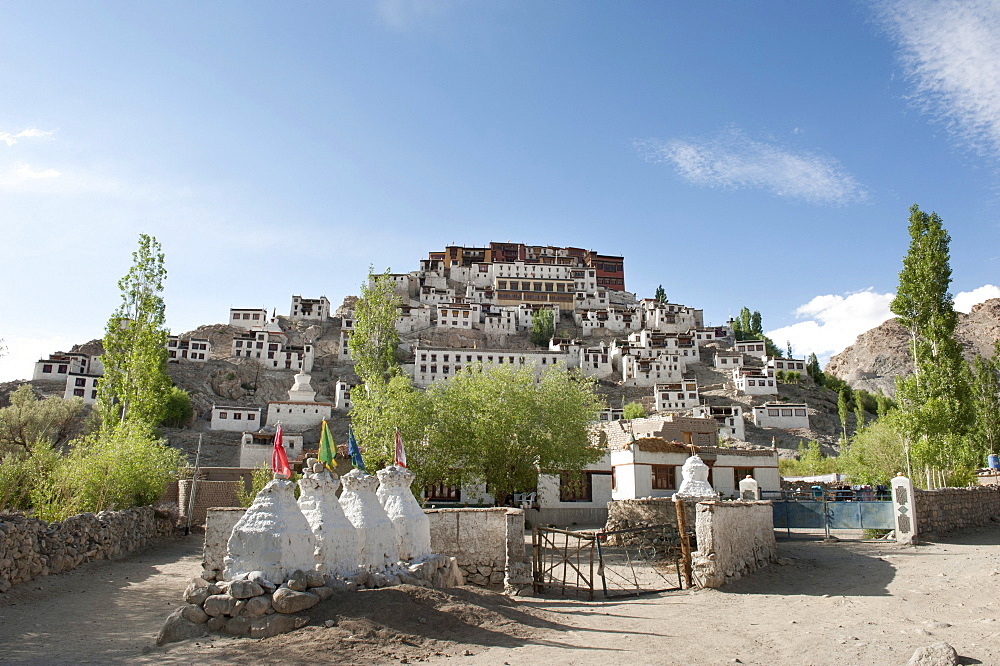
{"x": 342, "y": 395}
{"x": 673, "y": 396}
{"x": 785, "y": 415}
{"x": 669, "y": 317}
{"x": 301, "y": 411}
{"x": 727, "y": 360}
{"x": 720, "y": 334}
{"x": 729, "y": 418}
{"x": 431, "y": 365}
{"x": 642, "y": 370}
{"x": 412, "y": 318}
{"x": 237, "y": 419}
{"x": 310, "y": 309}
{"x": 611, "y": 414}
{"x": 256, "y": 447}
{"x": 59, "y": 365}
{"x": 271, "y": 348}
{"x": 786, "y": 364}
{"x": 500, "y": 319}
{"x": 465, "y": 316}
{"x": 247, "y": 318}
{"x": 81, "y": 385}
{"x": 344, "y": 353}
{"x": 755, "y": 381}
{"x": 588, "y": 489}
{"x": 755, "y": 348}
{"x": 193, "y": 349}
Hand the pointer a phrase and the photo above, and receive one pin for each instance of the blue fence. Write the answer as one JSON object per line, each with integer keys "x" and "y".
{"x": 827, "y": 511}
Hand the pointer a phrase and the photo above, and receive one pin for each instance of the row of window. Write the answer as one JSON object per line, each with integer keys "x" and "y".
{"x": 529, "y": 286}
{"x": 238, "y": 416}
{"x": 760, "y": 382}
{"x": 246, "y": 315}
{"x": 786, "y": 412}
{"x": 80, "y": 393}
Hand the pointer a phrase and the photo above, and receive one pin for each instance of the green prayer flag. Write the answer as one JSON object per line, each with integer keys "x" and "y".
{"x": 326, "y": 448}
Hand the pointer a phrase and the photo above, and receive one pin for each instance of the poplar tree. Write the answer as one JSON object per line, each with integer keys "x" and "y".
{"x": 842, "y": 411}
{"x": 542, "y": 327}
{"x": 135, "y": 386}
{"x": 660, "y": 295}
{"x": 374, "y": 340}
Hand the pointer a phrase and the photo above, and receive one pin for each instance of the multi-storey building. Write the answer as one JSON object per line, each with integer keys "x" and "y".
{"x": 432, "y": 364}
{"x": 247, "y": 318}
{"x": 309, "y": 308}
{"x": 81, "y": 385}
{"x": 682, "y": 395}
{"x": 755, "y": 381}
{"x": 190, "y": 349}
{"x": 729, "y": 418}
{"x": 786, "y": 415}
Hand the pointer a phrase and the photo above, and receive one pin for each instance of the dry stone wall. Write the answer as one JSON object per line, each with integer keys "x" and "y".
{"x": 947, "y": 509}
{"x": 487, "y": 543}
{"x": 734, "y": 539}
{"x": 30, "y": 547}
{"x": 626, "y": 514}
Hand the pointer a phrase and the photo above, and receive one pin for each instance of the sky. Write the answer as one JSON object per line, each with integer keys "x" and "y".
{"x": 760, "y": 154}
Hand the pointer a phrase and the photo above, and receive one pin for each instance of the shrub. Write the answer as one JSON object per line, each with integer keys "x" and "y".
{"x": 261, "y": 475}
{"x": 178, "y": 411}
{"x": 633, "y": 410}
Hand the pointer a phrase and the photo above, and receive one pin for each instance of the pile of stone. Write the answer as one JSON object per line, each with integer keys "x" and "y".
{"x": 30, "y": 547}
{"x": 252, "y": 606}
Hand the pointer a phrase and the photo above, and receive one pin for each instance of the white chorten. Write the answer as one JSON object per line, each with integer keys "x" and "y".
{"x": 337, "y": 541}
{"x": 413, "y": 527}
{"x": 377, "y": 536}
{"x": 301, "y": 390}
{"x": 272, "y": 536}
{"x": 695, "y": 485}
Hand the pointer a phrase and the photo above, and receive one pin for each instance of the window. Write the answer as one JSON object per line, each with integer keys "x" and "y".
{"x": 772, "y": 412}
{"x": 93, "y": 395}
{"x": 800, "y": 412}
{"x": 251, "y": 417}
{"x": 663, "y": 477}
{"x": 237, "y": 416}
{"x": 46, "y": 368}
{"x": 78, "y": 392}
{"x": 786, "y": 412}
{"x": 223, "y": 415}
{"x": 80, "y": 381}
{"x": 63, "y": 368}
{"x": 575, "y": 487}
{"x": 441, "y": 492}
{"x": 741, "y": 473}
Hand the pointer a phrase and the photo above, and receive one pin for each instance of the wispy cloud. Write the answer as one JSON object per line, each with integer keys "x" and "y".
{"x": 950, "y": 50}
{"x": 732, "y": 160}
{"x": 11, "y": 139}
{"x": 964, "y": 300}
{"x": 833, "y": 322}
{"x": 404, "y": 14}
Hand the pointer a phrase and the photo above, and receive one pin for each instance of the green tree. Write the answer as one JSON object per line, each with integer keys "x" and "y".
{"x": 374, "y": 341}
{"x": 660, "y": 295}
{"x": 813, "y": 369}
{"x": 842, "y": 412}
{"x": 877, "y": 453}
{"x": 788, "y": 347}
{"x": 633, "y": 410}
{"x": 809, "y": 461}
{"x": 178, "y": 411}
{"x": 859, "y": 412}
{"x": 28, "y": 420}
{"x": 937, "y": 411}
{"x": 135, "y": 385}
{"x": 500, "y": 427}
{"x": 376, "y": 413}
{"x": 542, "y": 327}
{"x": 986, "y": 396}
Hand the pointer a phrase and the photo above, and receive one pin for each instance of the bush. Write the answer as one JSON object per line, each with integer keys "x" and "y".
{"x": 633, "y": 410}
{"x": 114, "y": 470}
{"x": 261, "y": 475}
{"x": 178, "y": 411}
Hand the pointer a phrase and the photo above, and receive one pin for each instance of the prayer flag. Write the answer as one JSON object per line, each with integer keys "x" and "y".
{"x": 279, "y": 461}
{"x": 326, "y": 447}
{"x": 400, "y": 451}
{"x": 352, "y": 447}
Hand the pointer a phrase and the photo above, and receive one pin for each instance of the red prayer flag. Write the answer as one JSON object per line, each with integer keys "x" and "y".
{"x": 400, "y": 451}
{"x": 279, "y": 461}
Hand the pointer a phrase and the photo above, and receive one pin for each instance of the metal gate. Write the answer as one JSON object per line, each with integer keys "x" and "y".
{"x": 829, "y": 511}
{"x": 626, "y": 562}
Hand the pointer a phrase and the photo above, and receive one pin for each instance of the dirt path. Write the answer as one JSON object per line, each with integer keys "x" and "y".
{"x": 103, "y": 612}
{"x": 843, "y": 603}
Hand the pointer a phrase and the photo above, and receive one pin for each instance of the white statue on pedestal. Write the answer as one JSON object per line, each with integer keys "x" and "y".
{"x": 377, "y": 536}
{"x": 413, "y": 527}
{"x": 272, "y": 536}
{"x": 336, "y": 538}
{"x": 695, "y": 485}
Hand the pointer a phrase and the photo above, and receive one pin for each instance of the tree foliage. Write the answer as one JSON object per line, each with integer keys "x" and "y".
{"x": 29, "y": 419}
{"x": 376, "y": 413}
{"x": 809, "y": 461}
{"x": 986, "y": 396}
{"x": 178, "y": 410}
{"x": 877, "y": 453}
{"x": 842, "y": 412}
{"x": 542, "y": 327}
{"x": 633, "y": 410}
{"x": 749, "y": 326}
{"x": 813, "y": 369}
{"x": 374, "y": 340}
{"x": 135, "y": 385}
{"x": 660, "y": 296}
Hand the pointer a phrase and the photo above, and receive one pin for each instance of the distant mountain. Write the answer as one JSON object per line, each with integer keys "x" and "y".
{"x": 877, "y": 357}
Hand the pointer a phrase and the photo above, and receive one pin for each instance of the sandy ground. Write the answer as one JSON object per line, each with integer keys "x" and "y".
{"x": 837, "y": 603}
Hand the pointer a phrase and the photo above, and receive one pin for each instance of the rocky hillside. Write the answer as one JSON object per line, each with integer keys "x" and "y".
{"x": 877, "y": 357}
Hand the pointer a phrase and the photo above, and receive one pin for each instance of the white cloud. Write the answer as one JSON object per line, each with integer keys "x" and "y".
{"x": 11, "y": 139}
{"x": 950, "y": 50}
{"x": 964, "y": 300}
{"x": 833, "y": 322}
{"x": 21, "y": 354}
{"x": 733, "y": 160}
{"x": 26, "y": 171}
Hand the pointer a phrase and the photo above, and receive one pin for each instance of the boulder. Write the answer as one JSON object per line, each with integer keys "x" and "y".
{"x": 177, "y": 628}
{"x": 937, "y": 654}
{"x": 244, "y": 589}
{"x": 292, "y": 601}
{"x": 272, "y": 625}
{"x": 194, "y": 613}
{"x": 218, "y": 605}
{"x": 257, "y": 606}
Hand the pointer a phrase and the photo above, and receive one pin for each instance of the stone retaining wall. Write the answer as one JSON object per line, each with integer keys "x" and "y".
{"x": 624, "y": 514}
{"x": 30, "y": 547}
{"x": 488, "y": 543}
{"x": 734, "y": 539}
{"x": 219, "y": 524}
{"x": 947, "y": 509}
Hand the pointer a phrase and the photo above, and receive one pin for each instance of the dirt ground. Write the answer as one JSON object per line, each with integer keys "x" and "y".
{"x": 836, "y": 603}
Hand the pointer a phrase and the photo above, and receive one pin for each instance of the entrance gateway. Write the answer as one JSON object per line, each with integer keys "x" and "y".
{"x": 831, "y": 510}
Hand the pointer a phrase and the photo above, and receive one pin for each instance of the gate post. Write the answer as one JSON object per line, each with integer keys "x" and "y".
{"x": 904, "y": 510}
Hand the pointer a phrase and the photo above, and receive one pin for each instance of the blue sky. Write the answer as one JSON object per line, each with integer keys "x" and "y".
{"x": 761, "y": 154}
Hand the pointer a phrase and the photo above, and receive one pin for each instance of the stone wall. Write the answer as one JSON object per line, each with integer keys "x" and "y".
{"x": 219, "y": 524}
{"x": 30, "y": 547}
{"x": 734, "y": 539}
{"x": 207, "y": 494}
{"x": 486, "y": 542}
{"x": 947, "y": 509}
{"x": 624, "y": 514}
